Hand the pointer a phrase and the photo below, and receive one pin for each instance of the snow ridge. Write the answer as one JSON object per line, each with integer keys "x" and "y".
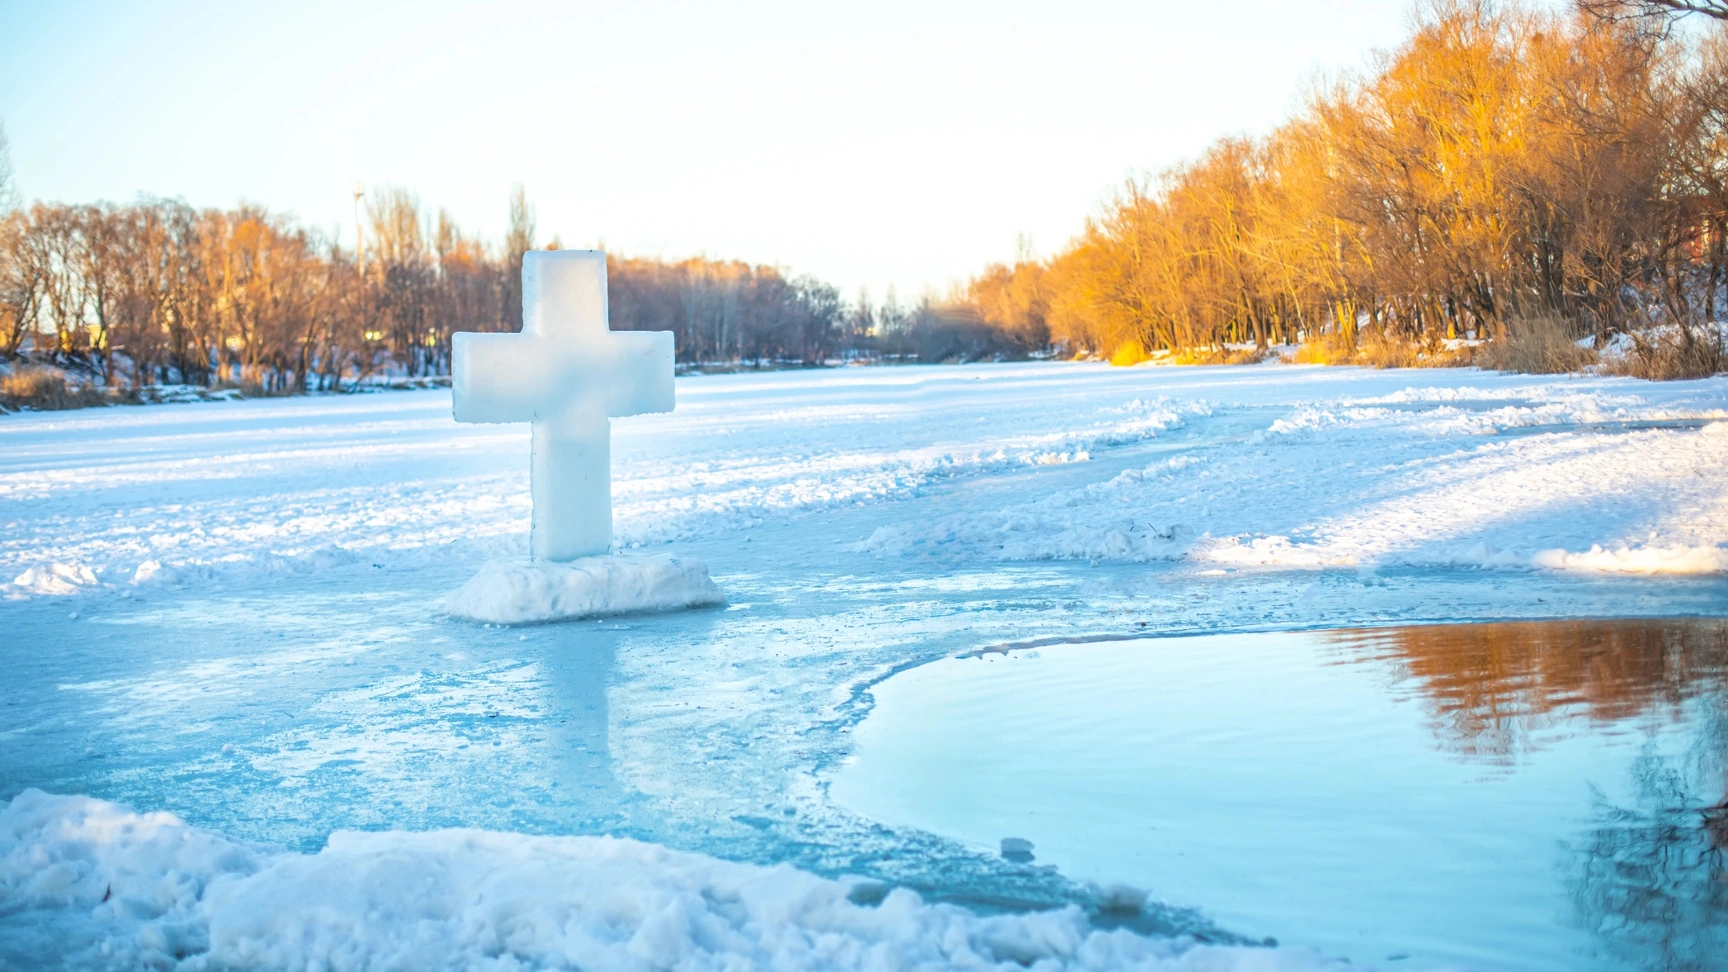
{"x": 148, "y": 890}
{"x": 1354, "y": 488}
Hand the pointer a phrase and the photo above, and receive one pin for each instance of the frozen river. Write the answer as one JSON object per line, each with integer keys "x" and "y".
{"x": 231, "y": 612}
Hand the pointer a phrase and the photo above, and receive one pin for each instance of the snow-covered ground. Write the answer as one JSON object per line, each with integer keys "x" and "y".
{"x": 231, "y": 611}
{"x": 1278, "y": 466}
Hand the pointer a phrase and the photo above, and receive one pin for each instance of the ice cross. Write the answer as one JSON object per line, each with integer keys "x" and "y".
{"x": 569, "y": 375}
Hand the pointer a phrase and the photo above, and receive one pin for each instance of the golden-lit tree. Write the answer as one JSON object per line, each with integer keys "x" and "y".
{"x": 1506, "y": 162}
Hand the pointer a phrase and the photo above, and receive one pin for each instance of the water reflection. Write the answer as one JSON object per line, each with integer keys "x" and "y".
{"x": 1648, "y": 877}
{"x": 1496, "y": 689}
{"x": 1649, "y": 880}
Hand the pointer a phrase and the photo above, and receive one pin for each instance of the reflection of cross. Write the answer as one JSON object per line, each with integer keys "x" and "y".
{"x": 568, "y": 374}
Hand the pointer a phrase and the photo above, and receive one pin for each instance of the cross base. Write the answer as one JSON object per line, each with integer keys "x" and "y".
{"x": 528, "y": 592}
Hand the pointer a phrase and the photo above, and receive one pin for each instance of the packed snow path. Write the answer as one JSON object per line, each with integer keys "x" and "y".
{"x": 230, "y": 610}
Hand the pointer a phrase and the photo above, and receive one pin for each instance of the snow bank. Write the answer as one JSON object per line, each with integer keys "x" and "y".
{"x": 1278, "y": 551}
{"x": 161, "y": 894}
{"x": 521, "y": 591}
{"x": 1677, "y": 559}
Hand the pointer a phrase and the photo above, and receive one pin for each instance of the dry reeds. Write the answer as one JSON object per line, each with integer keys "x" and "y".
{"x": 46, "y": 389}
{"x": 1379, "y": 350}
{"x": 1376, "y": 350}
{"x": 1540, "y": 345}
{"x": 1672, "y": 354}
{"x": 1325, "y": 349}
{"x": 1128, "y": 353}
{"x": 1220, "y": 355}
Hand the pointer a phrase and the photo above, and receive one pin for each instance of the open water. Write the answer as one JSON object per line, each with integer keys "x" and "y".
{"x": 1532, "y": 795}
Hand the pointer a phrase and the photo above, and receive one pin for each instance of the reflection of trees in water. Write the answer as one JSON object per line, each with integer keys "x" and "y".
{"x": 1649, "y": 880}
{"x": 1491, "y": 686}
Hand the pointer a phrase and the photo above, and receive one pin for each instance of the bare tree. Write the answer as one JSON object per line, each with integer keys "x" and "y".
{"x": 402, "y": 278}
{"x": 1656, "y": 9}
{"x": 23, "y": 283}
{"x": 518, "y": 239}
{"x": 9, "y": 199}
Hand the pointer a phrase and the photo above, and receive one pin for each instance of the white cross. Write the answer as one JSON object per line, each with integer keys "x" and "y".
{"x": 569, "y": 375}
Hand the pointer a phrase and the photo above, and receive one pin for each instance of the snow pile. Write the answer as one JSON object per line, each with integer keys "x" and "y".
{"x": 54, "y": 578}
{"x": 1677, "y": 559}
{"x": 183, "y": 394}
{"x": 522, "y": 591}
{"x": 147, "y": 890}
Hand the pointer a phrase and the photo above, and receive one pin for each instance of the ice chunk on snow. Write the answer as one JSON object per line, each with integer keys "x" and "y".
{"x": 521, "y": 591}
{"x": 55, "y": 578}
{"x": 152, "y": 571}
{"x": 149, "y": 889}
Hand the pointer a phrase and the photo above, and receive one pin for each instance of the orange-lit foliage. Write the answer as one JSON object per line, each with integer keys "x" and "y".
{"x": 1508, "y": 161}
{"x": 1013, "y": 301}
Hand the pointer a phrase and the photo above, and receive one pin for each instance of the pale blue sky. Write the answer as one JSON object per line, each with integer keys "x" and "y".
{"x": 870, "y": 144}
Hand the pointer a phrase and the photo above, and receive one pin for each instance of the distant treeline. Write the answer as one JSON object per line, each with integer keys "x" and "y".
{"x": 156, "y": 292}
{"x": 1506, "y": 163}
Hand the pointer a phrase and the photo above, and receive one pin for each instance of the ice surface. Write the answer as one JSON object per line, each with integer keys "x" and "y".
{"x": 1265, "y": 468}
{"x": 147, "y": 890}
{"x": 521, "y": 591}
{"x": 569, "y": 375}
{"x": 256, "y": 652}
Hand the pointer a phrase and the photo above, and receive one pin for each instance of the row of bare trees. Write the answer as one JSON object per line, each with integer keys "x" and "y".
{"x": 727, "y": 311}
{"x": 1508, "y": 162}
{"x": 156, "y": 292}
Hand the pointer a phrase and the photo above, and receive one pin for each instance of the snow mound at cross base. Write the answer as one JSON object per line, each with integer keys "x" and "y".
{"x": 520, "y": 591}
{"x": 149, "y": 891}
